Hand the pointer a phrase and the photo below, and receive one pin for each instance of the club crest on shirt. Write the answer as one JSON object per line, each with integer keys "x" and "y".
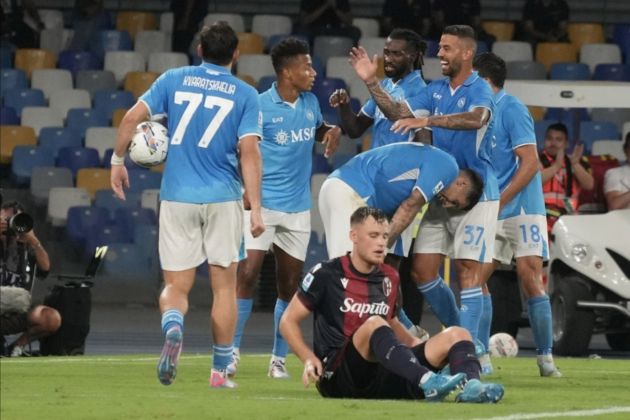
{"x": 461, "y": 102}
{"x": 310, "y": 116}
{"x": 281, "y": 137}
{"x": 387, "y": 286}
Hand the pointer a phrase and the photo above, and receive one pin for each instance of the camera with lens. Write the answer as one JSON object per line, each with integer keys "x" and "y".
{"x": 19, "y": 223}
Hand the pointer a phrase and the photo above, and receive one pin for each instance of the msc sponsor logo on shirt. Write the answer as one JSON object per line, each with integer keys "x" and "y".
{"x": 294, "y": 136}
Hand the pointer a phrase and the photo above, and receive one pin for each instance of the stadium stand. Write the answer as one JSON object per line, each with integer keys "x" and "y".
{"x": 134, "y": 21}
{"x": 95, "y": 80}
{"x": 19, "y": 98}
{"x": 39, "y": 117}
{"x": 270, "y": 25}
{"x": 60, "y": 199}
{"x": 24, "y": 159}
{"x": 51, "y": 80}
{"x": 29, "y": 59}
{"x": 235, "y": 20}
{"x": 44, "y": 178}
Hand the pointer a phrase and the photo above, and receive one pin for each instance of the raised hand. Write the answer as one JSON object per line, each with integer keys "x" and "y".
{"x": 364, "y": 67}
{"x": 576, "y": 155}
{"x": 339, "y": 97}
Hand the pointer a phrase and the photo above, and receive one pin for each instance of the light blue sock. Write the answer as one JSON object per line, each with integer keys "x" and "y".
{"x": 222, "y": 356}
{"x": 244, "y": 311}
{"x": 471, "y": 309}
{"x": 485, "y": 322}
{"x": 404, "y": 319}
{"x": 539, "y": 311}
{"x": 280, "y": 346}
{"x": 442, "y": 300}
{"x": 172, "y": 318}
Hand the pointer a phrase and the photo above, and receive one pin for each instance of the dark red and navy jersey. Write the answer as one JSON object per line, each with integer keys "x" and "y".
{"x": 342, "y": 299}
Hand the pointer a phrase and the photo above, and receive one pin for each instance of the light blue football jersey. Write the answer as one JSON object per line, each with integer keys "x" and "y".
{"x": 472, "y": 149}
{"x": 384, "y": 177}
{"x": 208, "y": 111}
{"x": 407, "y": 87}
{"x": 513, "y": 128}
{"x": 287, "y": 150}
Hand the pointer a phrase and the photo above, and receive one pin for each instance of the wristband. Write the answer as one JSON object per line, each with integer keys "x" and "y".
{"x": 117, "y": 160}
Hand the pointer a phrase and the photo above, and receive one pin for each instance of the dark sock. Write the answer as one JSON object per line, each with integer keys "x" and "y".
{"x": 395, "y": 356}
{"x": 462, "y": 358}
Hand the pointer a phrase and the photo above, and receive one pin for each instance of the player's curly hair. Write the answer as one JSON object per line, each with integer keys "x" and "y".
{"x": 283, "y": 52}
{"x": 415, "y": 43}
{"x": 218, "y": 43}
{"x": 361, "y": 214}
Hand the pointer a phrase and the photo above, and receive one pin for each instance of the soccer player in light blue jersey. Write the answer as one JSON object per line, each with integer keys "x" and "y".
{"x": 214, "y": 124}
{"x": 292, "y": 122}
{"x": 399, "y": 179}
{"x": 458, "y": 112}
{"x": 522, "y": 228}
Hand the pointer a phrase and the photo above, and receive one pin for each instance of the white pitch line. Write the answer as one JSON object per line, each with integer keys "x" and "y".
{"x": 574, "y": 413}
{"x": 79, "y": 359}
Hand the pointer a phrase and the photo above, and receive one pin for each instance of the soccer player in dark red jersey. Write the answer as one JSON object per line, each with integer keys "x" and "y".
{"x": 361, "y": 350}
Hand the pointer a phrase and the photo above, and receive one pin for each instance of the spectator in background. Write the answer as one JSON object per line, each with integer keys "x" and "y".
{"x": 617, "y": 182}
{"x": 545, "y": 21}
{"x": 459, "y": 12}
{"x": 88, "y": 17}
{"x": 407, "y": 14}
{"x": 187, "y": 17}
{"x": 326, "y": 17}
{"x": 562, "y": 176}
{"x": 21, "y": 23}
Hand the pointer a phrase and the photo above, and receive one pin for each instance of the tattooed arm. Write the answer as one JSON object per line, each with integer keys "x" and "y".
{"x": 472, "y": 120}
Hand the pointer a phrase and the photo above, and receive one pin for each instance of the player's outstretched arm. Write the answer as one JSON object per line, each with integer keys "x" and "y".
{"x": 295, "y": 313}
{"x": 472, "y": 120}
{"x": 404, "y": 215}
{"x": 353, "y": 124}
{"x": 528, "y": 165}
{"x": 330, "y": 136}
{"x": 250, "y": 159}
{"x": 119, "y": 177}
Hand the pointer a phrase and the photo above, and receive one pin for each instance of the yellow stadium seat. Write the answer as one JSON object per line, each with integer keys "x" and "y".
{"x": 549, "y": 53}
{"x": 502, "y": 30}
{"x": 585, "y": 33}
{"x": 250, "y": 43}
{"x": 29, "y": 59}
{"x": 247, "y": 79}
{"x": 538, "y": 112}
{"x": 117, "y": 116}
{"x": 134, "y": 22}
{"x": 138, "y": 82}
{"x": 14, "y": 135}
{"x": 93, "y": 179}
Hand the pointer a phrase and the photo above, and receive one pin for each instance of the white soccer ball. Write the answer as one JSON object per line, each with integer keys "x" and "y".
{"x": 149, "y": 144}
{"x": 503, "y": 345}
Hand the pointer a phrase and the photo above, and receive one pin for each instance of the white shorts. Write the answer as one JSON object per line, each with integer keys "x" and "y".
{"x": 290, "y": 231}
{"x": 521, "y": 236}
{"x": 190, "y": 234}
{"x": 465, "y": 235}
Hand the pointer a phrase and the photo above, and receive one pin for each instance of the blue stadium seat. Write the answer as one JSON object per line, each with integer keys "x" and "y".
{"x": 6, "y": 58}
{"x": 12, "y": 79}
{"x": 339, "y": 159}
{"x": 105, "y": 235}
{"x": 315, "y": 254}
{"x": 8, "y": 116}
{"x": 482, "y": 47}
{"x": 433, "y": 47}
{"x": 19, "y": 98}
{"x": 590, "y": 131}
{"x": 265, "y": 83}
{"x": 319, "y": 66}
{"x": 24, "y": 159}
{"x": 75, "y": 61}
{"x": 75, "y": 158}
{"x": 107, "y": 101}
{"x": 571, "y": 117}
{"x": 130, "y": 218}
{"x": 107, "y": 200}
{"x": 324, "y": 87}
{"x": 570, "y": 71}
{"x": 81, "y": 119}
{"x": 621, "y": 37}
{"x": 80, "y": 220}
{"x": 126, "y": 269}
{"x": 331, "y": 116}
{"x": 109, "y": 40}
{"x": 140, "y": 180}
{"x": 52, "y": 139}
{"x": 613, "y": 72}
{"x": 320, "y": 164}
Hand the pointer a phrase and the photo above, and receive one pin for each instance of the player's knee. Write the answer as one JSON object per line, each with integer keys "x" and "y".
{"x": 457, "y": 334}
{"x": 375, "y": 322}
{"x": 49, "y": 319}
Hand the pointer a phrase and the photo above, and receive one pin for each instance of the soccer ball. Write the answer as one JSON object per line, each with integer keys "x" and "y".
{"x": 503, "y": 345}
{"x": 149, "y": 144}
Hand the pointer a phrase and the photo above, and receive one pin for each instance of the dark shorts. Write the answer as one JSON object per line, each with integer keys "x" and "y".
{"x": 356, "y": 377}
{"x": 13, "y": 323}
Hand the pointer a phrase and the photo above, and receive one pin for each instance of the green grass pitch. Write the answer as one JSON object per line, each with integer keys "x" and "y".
{"x": 126, "y": 387}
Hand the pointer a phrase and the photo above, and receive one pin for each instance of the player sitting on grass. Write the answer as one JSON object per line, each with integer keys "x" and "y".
{"x": 361, "y": 350}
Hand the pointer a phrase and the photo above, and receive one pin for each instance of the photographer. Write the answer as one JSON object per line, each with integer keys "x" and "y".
{"x": 22, "y": 259}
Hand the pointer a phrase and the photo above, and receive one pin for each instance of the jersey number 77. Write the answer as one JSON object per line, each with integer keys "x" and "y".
{"x": 194, "y": 100}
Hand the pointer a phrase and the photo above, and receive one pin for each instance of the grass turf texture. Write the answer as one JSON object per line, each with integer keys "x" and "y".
{"x": 126, "y": 387}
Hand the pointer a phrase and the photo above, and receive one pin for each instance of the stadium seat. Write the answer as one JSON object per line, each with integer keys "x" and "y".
{"x": 81, "y": 220}
{"x": 609, "y": 147}
{"x": 549, "y": 53}
{"x": 52, "y": 139}
{"x": 111, "y": 233}
{"x": 6, "y": 58}
{"x": 141, "y": 179}
{"x": 433, "y": 47}
{"x": 159, "y": 62}
{"x": 107, "y": 101}
{"x": 324, "y": 87}
{"x": 55, "y": 40}
{"x": 60, "y": 199}
{"x": 368, "y": 26}
{"x": 148, "y": 42}
{"x": 138, "y": 82}
{"x": 101, "y": 139}
{"x": 316, "y": 251}
{"x": 167, "y": 22}
{"x": 93, "y": 179}
{"x": 122, "y": 62}
{"x": 39, "y": 117}
{"x": 29, "y": 59}
{"x": 325, "y": 46}
{"x": 338, "y": 67}
{"x": 613, "y": 72}
{"x": 8, "y": 116}
{"x": 24, "y": 159}
{"x": 265, "y": 83}
{"x": 150, "y": 199}
{"x": 51, "y": 80}
{"x": 19, "y": 98}
{"x": 44, "y": 178}
{"x": 526, "y": 70}
{"x": 95, "y": 80}
{"x": 585, "y": 33}
{"x": 625, "y": 129}
{"x": 320, "y": 164}
{"x": 235, "y": 20}
{"x": 571, "y": 117}
{"x": 594, "y": 54}
{"x": 255, "y": 65}
{"x": 513, "y": 50}
{"x": 64, "y": 100}
{"x": 107, "y": 199}
{"x": 51, "y": 18}
{"x": 250, "y": 43}
{"x": 12, "y": 136}
{"x": 75, "y": 158}
{"x": 147, "y": 237}
{"x": 373, "y": 45}
{"x": 81, "y": 119}
{"x": 570, "y": 71}
{"x": 12, "y": 79}
{"x": 432, "y": 70}
{"x": 105, "y": 41}
{"x": 75, "y": 61}
{"x": 269, "y": 25}
{"x": 615, "y": 115}
{"x": 117, "y": 116}
{"x": 590, "y": 131}
{"x": 133, "y": 22}
{"x": 501, "y": 30}
{"x": 129, "y": 218}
